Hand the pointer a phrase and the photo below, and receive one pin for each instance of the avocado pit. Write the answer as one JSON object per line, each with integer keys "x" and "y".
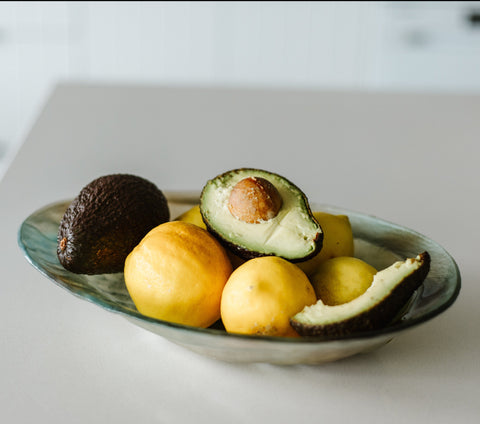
{"x": 254, "y": 199}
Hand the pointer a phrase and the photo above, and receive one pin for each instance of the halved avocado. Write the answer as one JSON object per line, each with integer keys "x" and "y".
{"x": 390, "y": 290}
{"x": 258, "y": 213}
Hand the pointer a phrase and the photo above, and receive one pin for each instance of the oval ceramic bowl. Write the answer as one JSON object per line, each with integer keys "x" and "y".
{"x": 376, "y": 241}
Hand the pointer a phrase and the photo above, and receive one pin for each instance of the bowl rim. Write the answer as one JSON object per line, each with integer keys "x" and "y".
{"x": 191, "y": 197}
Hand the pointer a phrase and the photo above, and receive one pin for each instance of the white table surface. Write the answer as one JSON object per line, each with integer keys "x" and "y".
{"x": 408, "y": 158}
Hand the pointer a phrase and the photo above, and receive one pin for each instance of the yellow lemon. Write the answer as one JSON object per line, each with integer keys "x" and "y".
{"x": 340, "y": 280}
{"x": 193, "y": 216}
{"x": 262, "y": 294}
{"x": 177, "y": 273}
{"x": 337, "y": 240}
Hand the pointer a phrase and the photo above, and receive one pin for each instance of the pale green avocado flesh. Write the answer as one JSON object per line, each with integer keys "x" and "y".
{"x": 389, "y": 292}
{"x": 293, "y": 233}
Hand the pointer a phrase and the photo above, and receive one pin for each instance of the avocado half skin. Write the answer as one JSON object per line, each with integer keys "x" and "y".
{"x": 377, "y": 316}
{"x": 244, "y": 252}
{"x": 107, "y": 219}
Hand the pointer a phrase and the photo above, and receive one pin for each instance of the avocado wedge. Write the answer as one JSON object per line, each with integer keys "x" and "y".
{"x": 390, "y": 290}
{"x": 258, "y": 213}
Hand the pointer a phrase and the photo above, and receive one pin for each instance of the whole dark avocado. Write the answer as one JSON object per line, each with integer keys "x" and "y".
{"x": 107, "y": 219}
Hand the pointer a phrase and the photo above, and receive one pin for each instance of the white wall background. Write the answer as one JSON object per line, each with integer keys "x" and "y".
{"x": 332, "y": 45}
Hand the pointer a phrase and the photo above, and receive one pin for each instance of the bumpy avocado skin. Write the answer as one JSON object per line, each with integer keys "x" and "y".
{"x": 377, "y": 316}
{"x": 242, "y": 251}
{"x": 106, "y": 221}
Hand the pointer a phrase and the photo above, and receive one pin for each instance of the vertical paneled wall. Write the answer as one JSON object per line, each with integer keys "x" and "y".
{"x": 332, "y": 45}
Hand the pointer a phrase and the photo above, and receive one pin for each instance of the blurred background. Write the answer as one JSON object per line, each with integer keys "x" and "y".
{"x": 381, "y": 46}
